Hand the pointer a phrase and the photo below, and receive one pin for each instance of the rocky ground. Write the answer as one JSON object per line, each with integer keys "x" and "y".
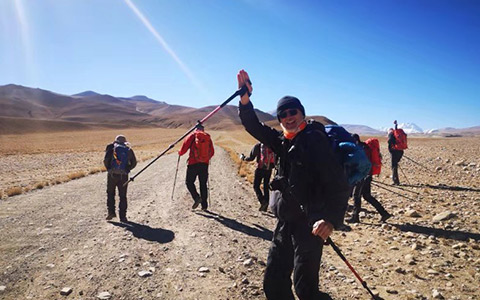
{"x": 55, "y": 243}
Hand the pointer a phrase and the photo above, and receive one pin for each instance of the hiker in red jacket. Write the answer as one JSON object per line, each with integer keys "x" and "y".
{"x": 201, "y": 151}
{"x": 364, "y": 188}
{"x": 395, "y": 147}
{"x": 265, "y": 159}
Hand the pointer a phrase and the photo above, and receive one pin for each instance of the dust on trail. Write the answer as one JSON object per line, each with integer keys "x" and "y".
{"x": 57, "y": 237}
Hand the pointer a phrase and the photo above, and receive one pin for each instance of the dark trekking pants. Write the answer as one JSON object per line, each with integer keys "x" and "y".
{"x": 262, "y": 175}
{"x": 293, "y": 248}
{"x": 115, "y": 181}
{"x": 364, "y": 188}
{"x": 199, "y": 170}
{"x": 396, "y": 155}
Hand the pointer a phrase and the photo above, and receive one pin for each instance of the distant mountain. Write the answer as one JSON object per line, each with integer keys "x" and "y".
{"x": 86, "y": 94}
{"x": 94, "y": 109}
{"x": 362, "y": 130}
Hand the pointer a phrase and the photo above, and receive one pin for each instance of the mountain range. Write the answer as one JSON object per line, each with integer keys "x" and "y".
{"x": 25, "y": 109}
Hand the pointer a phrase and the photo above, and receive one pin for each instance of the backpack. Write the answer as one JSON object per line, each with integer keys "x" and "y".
{"x": 400, "y": 139}
{"x": 267, "y": 158}
{"x": 373, "y": 153}
{"x": 201, "y": 147}
{"x": 119, "y": 161}
{"x": 351, "y": 156}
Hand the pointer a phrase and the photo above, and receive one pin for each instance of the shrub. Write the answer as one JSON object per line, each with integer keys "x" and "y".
{"x": 14, "y": 191}
{"x": 76, "y": 175}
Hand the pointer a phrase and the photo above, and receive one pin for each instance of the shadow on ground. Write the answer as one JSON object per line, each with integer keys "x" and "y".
{"x": 146, "y": 232}
{"x": 444, "y": 187}
{"x": 449, "y": 234}
{"x": 257, "y": 231}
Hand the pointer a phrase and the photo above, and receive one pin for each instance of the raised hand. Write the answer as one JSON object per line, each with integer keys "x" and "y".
{"x": 244, "y": 79}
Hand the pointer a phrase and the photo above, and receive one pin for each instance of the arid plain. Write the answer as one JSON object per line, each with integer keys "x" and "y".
{"x": 54, "y": 234}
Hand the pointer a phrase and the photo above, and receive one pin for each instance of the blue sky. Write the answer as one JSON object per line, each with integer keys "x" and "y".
{"x": 356, "y": 62}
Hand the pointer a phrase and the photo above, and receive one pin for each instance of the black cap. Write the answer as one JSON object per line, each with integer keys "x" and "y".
{"x": 289, "y": 102}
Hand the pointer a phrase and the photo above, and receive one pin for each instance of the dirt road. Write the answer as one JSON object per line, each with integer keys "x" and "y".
{"x": 58, "y": 238}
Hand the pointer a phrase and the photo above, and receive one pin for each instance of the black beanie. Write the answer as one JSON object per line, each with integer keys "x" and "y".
{"x": 289, "y": 102}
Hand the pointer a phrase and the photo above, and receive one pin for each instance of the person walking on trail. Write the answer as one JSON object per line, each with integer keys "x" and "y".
{"x": 119, "y": 160}
{"x": 395, "y": 147}
{"x": 310, "y": 195}
{"x": 364, "y": 188}
{"x": 201, "y": 151}
{"x": 265, "y": 159}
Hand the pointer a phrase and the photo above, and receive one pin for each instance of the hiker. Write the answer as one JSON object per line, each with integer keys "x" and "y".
{"x": 265, "y": 159}
{"x": 201, "y": 151}
{"x": 119, "y": 160}
{"x": 396, "y": 144}
{"x": 364, "y": 187}
{"x": 310, "y": 194}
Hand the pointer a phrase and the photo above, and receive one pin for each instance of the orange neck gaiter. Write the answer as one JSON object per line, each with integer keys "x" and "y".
{"x": 291, "y": 135}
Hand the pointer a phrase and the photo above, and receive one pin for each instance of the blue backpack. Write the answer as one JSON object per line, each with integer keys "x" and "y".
{"x": 352, "y": 156}
{"x": 119, "y": 159}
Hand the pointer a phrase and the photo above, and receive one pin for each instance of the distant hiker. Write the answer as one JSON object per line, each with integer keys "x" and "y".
{"x": 201, "y": 151}
{"x": 364, "y": 187}
{"x": 310, "y": 194}
{"x": 265, "y": 159}
{"x": 397, "y": 142}
{"x": 119, "y": 160}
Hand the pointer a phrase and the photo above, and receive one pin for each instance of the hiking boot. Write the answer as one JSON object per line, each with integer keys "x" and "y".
{"x": 123, "y": 219}
{"x": 263, "y": 207}
{"x": 385, "y": 217}
{"x": 344, "y": 228}
{"x": 354, "y": 219}
{"x": 111, "y": 216}
{"x": 197, "y": 202}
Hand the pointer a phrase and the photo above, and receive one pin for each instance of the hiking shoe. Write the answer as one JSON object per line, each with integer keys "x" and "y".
{"x": 196, "y": 203}
{"x": 385, "y": 217}
{"x": 123, "y": 219}
{"x": 111, "y": 216}
{"x": 263, "y": 207}
{"x": 344, "y": 228}
{"x": 353, "y": 219}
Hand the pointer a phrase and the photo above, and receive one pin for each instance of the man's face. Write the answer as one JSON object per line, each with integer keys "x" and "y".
{"x": 290, "y": 119}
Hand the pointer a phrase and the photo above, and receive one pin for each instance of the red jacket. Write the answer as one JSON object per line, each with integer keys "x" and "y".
{"x": 189, "y": 143}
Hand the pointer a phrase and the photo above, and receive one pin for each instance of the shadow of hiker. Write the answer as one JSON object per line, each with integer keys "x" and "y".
{"x": 259, "y": 231}
{"x": 146, "y": 232}
{"x": 442, "y": 186}
{"x": 454, "y": 234}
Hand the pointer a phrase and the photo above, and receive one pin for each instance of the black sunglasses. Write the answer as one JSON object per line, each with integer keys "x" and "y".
{"x": 288, "y": 113}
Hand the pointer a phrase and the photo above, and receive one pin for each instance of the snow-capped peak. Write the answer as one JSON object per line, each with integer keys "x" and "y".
{"x": 407, "y": 127}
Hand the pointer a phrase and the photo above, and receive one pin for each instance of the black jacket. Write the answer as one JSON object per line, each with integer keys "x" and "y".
{"x": 255, "y": 154}
{"x": 107, "y": 160}
{"x": 315, "y": 178}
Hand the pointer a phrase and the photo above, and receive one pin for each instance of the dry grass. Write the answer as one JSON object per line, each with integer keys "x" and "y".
{"x": 76, "y": 175}
{"x": 60, "y": 157}
{"x": 13, "y": 191}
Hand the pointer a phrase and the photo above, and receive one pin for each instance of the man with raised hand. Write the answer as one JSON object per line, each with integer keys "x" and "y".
{"x": 310, "y": 195}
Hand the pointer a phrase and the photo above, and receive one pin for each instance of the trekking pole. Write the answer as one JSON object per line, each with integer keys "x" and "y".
{"x": 339, "y": 252}
{"x": 418, "y": 163}
{"x": 404, "y": 175}
{"x": 208, "y": 187}
{"x": 239, "y": 92}
{"x": 175, "y": 178}
{"x": 397, "y": 187}
{"x": 377, "y": 185}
